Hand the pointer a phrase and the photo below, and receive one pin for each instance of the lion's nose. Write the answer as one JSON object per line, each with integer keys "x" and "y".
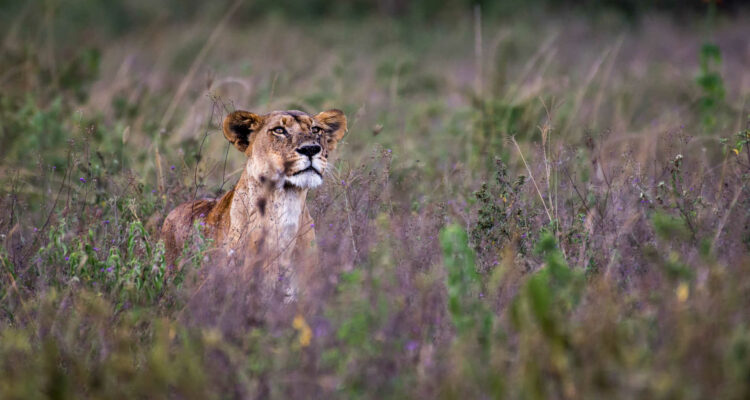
{"x": 309, "y": 150}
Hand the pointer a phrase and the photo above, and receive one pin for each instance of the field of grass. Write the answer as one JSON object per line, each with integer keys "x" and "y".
{"x": 545, "y": 204}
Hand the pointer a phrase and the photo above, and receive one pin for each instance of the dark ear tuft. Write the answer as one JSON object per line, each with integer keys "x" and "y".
{"x": 335, "y": 123}
{"x": 239, "y": 126}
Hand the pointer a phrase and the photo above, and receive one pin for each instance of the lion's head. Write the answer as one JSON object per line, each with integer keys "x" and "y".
{"x": 286, "y": 148}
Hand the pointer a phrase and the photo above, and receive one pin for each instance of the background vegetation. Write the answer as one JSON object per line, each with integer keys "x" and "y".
{"x": 535, "y": 199}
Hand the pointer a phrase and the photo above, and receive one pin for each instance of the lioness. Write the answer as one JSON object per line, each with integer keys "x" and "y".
{"x": 265, "y": 214}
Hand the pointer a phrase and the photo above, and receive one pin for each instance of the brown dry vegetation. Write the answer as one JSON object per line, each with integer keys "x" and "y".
{"x": 544, "y": 206}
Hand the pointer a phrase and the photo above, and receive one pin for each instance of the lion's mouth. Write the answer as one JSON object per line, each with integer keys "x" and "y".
{"x": 308, "y": 169}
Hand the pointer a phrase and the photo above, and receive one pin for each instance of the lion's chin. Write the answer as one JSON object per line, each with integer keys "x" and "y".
{"x": 305, "y": 180}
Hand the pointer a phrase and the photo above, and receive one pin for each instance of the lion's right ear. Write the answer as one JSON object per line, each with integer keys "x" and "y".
{"x": 239, "y": 126}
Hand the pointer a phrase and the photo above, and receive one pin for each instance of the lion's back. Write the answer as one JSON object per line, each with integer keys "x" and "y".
{"x": 178, "y": 225}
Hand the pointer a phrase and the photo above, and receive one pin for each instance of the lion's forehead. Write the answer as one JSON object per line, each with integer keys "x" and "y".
{"x": 292, "y": 120}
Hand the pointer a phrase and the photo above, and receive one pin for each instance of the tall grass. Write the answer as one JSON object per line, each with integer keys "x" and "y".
{"x": 542, "y": 207}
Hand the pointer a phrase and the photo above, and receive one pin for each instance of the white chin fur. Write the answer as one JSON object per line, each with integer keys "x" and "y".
{"x": 307, "y": 180}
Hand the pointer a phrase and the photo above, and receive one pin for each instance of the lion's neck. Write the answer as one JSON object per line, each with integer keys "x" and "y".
{"x": 265, "y": 218}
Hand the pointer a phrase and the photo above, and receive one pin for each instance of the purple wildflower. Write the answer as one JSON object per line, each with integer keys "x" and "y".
{"x": 83, "y": 180}
{"x": 320, "y": 330}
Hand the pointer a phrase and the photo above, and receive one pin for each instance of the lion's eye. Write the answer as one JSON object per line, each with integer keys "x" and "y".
{"x": 279, "y": 130}
{"x": 316, "y": 130}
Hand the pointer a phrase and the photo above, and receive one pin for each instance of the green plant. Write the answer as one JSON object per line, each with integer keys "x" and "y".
{"x": 741, "y": 142}
{"x": 463, "y": 283}
{"x": 711, "y": 84}
{"x": 135, "y": 274}
{"x": 501, "y": 219}
{"x": 709, "y": 77}
{"x": 553, "y": 291}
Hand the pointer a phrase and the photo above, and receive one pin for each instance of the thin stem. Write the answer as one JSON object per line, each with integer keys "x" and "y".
{"x": 531, "y": 175}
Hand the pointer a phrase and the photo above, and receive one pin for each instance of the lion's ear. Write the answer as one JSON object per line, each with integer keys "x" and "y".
{"x": 238, "y": 126}
{"x": 334, "y": 121}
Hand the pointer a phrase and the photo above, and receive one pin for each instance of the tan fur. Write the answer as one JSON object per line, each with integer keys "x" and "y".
{"x": 265, "y": 213}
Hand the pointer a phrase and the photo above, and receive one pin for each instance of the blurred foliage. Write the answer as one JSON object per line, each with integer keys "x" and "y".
{"x": 117, "y": 17}
{"x": 560, "y": 225}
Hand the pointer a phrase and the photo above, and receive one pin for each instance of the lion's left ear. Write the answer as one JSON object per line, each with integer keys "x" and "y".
{"x": 334, "y": 121}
